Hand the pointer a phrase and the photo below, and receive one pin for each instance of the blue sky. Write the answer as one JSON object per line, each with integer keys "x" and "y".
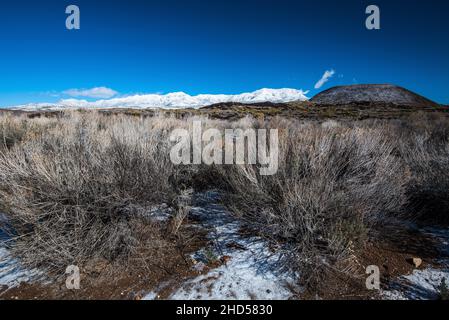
{"x": 217, "y": 46}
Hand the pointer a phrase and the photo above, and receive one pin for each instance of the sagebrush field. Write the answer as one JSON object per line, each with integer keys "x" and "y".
{"x": 77, "y": 189}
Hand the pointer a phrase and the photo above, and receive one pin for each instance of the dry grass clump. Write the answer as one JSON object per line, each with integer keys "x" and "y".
{"x": 335, "y": 187}
{"x": 80, "y": 188}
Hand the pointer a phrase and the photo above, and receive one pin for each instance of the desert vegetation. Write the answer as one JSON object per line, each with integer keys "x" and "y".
{"x": 78, "y": 188}
{"x": 336, "y": 185}
{"x": 81, "y": 186}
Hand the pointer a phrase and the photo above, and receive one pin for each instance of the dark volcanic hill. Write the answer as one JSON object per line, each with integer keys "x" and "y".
{"x": 372, "y": 93}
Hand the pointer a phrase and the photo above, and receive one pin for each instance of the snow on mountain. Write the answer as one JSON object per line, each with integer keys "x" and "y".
{"x": 174, "y": 100}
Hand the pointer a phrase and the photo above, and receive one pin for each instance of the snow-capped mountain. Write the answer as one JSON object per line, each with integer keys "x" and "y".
{"x": 174, "y": 100}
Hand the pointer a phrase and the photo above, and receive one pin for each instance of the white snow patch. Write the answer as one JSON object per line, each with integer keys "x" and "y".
{"x": 420, "y": 285}
{"x": 159, "y": 213}
{"x": 252, "y": 271}
{"x": 11, "y": 272}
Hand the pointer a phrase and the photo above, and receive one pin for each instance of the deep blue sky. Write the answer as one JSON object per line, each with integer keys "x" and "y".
{"x": 218, "y": 46}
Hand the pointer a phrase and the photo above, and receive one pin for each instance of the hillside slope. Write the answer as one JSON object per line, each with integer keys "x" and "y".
{"x": 372, "y": 93}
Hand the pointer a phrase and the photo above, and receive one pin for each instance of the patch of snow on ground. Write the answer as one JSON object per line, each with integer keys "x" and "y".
{"x": 252, "y": 271}
{"x": 11, "y": 272}
{"x": 160, "y": 213}
{"x": 420, "y": 285}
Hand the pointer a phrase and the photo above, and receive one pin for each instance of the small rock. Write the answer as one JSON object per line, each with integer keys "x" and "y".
{"x": 416, "y": 262}
{"x": 225, "y": 259}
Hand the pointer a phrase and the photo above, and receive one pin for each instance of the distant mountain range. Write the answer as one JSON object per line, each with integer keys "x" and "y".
{"x": 177, "y": 100}
{"x": 364, "y": 95}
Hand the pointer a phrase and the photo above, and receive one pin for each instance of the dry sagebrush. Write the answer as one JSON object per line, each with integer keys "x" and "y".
{"x": 335, "y": 187}
{"x": 75, "y": 190}
{"x": 77, "y": 187}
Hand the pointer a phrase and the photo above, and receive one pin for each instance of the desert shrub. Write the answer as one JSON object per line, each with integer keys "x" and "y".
{"x": 11, "y": 131}
{"x": 79, "y": 190}
{"x": 426, "y": 152}
{"x": 15, "y": 129}
{"x": 335, "y": 187}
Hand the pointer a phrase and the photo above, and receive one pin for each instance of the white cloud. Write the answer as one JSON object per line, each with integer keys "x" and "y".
{"x": 325, "y": 78}
{"x": 178, "y": 100}
{"x": 96, "y": 93}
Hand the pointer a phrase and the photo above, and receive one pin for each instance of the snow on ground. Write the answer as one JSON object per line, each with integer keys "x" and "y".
{"x": 159, "y": 213}
{"x": 420, "y": 285}
{"x": 252, "y": 271}
{"x": 11, "y": 272}
{"x": 424, "y": 284}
